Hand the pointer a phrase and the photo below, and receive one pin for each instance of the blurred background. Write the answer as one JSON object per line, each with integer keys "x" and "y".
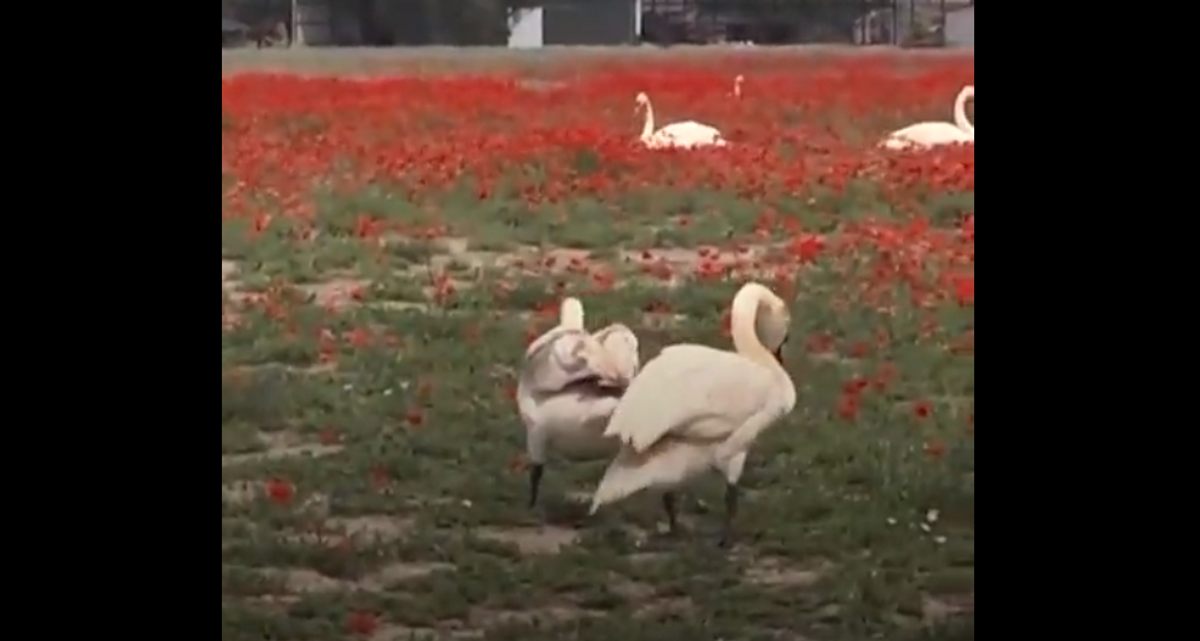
{"x": 534, "y": 23}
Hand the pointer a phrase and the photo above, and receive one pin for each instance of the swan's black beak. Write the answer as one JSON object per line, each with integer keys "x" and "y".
{"x": 778, "y": 353}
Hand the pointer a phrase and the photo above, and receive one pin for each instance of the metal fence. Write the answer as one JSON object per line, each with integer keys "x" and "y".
{"x": 600, "y": 22}
{"x": 896, "y": 22}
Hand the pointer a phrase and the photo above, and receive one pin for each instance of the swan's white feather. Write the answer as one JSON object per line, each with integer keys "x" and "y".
{"x": 694, "y": 407}
{"x": 552, "y": 361}
{"x": 666, "y": 465}
{"x": 563, "y": 400}
{"x": 927, "y": 134}
{"x": 571, "y": 422}
{"x": 687, "y": 134}
{"x": 693, "y": 392}
{"x": 622, "y": 345}
{"x": 931, "y": 134}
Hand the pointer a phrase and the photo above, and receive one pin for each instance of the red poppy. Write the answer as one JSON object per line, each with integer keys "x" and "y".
{"x": 280, "y": 491}
{"x": 362, "y": 623}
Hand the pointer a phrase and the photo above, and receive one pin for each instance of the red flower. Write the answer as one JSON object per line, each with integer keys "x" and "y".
{"x": 362, "y": 623}
{"x": 806, "y": 247}
{"x": 380, "y": 478}
{"x": 964, "y": 290}
{"x": 847, "y": 406}
{"x": 280, "y": 491}
{"x": 922, "y": 409}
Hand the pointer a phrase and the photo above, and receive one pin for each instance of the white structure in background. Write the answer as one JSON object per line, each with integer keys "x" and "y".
{"x": 525, "y": 28}
{"x": 960, "y": 28}
{"x": 313, "y": 23}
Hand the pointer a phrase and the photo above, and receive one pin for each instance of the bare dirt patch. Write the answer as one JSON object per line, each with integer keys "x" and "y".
{"x": 306, "y": 581}
{"x": 779, "y": 572}
{"x": 280, "y": 445}
{"x": 548, "y": 539}
{"x": 486, "y": 617}
{"x": 394, "y": 573}
{"x": 334, "y": 293}
{"x": 406, "y": 633}
{"x": 241, "y": 492}
{"x": 229, "y": 269}
{"x": 382, "y": 528}
{"x": 672, "y": 606}
{"x": 942, "y": 607}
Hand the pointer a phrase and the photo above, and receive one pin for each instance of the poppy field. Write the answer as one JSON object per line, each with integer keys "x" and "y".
{"x": 392, "y": 241}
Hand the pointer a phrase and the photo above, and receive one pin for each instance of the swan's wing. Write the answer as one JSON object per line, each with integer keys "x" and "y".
{"x": 928, "y": 133}
{"x": 690, "y": 128}
{"x": 691, "y": 132}
{"x": 622, "y": 344}
{"x": 564, "y": 356}
{"x": 690, "y": 390}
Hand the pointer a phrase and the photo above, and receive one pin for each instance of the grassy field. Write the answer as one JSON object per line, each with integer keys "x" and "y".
{"x": 390, "y": 247}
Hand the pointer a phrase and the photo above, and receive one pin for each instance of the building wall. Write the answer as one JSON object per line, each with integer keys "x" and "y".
{"x": 525, "y": 29}
{"x": 314, "y": 26}
{"x": 590, "y": 22}
{"x": 960, "y": 28}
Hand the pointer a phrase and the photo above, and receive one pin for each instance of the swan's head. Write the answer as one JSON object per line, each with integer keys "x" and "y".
{"x": 570, "y": 313}
{"x": 589, "y": 353}
{"x": 771, "y": 316}
{"x": 772, "y": 325}
{"x": 640, "y": 101}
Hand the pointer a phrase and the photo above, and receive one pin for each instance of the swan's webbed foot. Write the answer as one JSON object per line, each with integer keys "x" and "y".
{"x": 535, "y": 481}
{"x": 731, "y": 508}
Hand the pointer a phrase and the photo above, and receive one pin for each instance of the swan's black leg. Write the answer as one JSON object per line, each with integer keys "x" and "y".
{"x": 672, "y": 510}
{"x": 731, "y": 507}
{"x": 535, "y": 480}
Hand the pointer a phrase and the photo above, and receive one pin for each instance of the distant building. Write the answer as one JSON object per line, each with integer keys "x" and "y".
{"x": 525, "y": 29}
{"x": 960, "y": 28}
{"x": 590, "y": 22}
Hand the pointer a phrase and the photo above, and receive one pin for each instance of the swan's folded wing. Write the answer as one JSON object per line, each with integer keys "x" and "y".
{"x": 692, "y": 391}
{"x": 692, "y": 132}
{"x": 622, "y": 344}
{"x": 548, "y": 366}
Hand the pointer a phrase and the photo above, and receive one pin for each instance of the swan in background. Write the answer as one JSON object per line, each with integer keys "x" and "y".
{"x": 570, "y": 383}
{"x": 928, "y": 134}
{"x": 688, "y": 134}
{"x": 695, "y": 408}
{"x": 737, "y": 85}
{"x": 960, "y": 109}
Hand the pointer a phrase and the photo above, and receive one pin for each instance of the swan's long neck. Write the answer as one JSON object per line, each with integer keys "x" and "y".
{"x": 570, "y": 314}
{"x": 960, "y": 111}
{"x": 648, "y": 128}
{"x": 743, "y": 321}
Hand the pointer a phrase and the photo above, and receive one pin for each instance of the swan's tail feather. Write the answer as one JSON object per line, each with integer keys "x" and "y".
{"x": 570, "y": 313}
{"x": 668, "y": 464}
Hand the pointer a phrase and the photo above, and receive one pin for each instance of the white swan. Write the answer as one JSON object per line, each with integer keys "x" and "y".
{"x": 695, "y": 408}
{"x": 570, "y": 383}
{"x": 928, "y": 134}
{"x": 688, "y": 134}
{"x": 737, "y": 85}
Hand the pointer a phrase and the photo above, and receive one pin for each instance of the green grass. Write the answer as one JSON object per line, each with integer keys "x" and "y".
{"x": 351, "y": 375}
